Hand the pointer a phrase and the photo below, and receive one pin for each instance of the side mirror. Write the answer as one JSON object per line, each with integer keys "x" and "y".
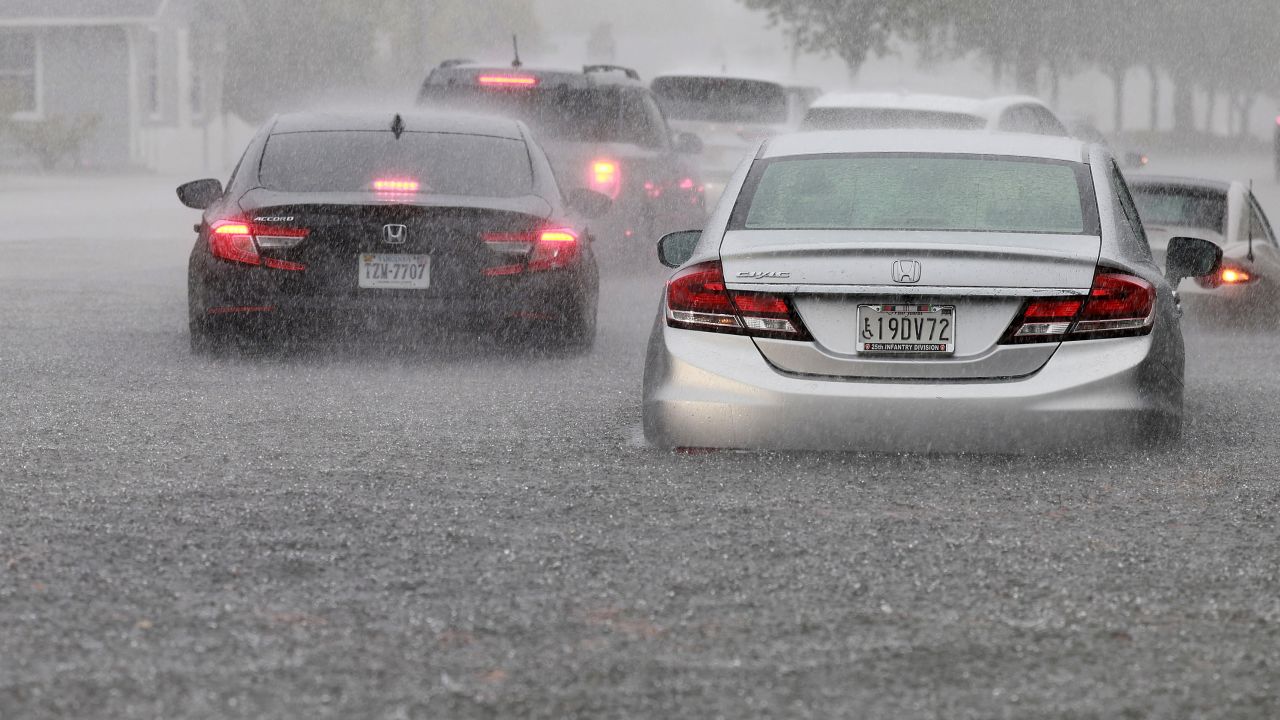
{"x": 589, "y": 203}
{"x": 687, "y": 143}
{"x": 676, "y": 248}
{"x": 200, "y": 194}
{"x": 1188, "y": 257}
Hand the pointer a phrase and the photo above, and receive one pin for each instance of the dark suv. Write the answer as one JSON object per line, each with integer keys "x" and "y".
{"x": 601, "y": 128}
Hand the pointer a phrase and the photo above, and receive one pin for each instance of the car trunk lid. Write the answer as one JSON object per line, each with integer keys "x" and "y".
{"x": 987, "y": 277}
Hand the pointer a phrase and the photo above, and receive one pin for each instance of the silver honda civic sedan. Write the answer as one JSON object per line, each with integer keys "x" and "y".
{"x": 920, "y": 291}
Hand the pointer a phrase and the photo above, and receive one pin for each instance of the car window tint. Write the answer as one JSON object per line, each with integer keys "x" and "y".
{"x": 559, "y": 113}
{"x": 836, "y": 118}
{"x": 1180, "y": 206}
{"x": 1020, "y": 119}
{"x": 713, "y": 99}
{"x": 642, "y": 120}
{"x": 442, "y": 163}
{"x": 921, "y": 192}
{"x": 1045, "y": 122}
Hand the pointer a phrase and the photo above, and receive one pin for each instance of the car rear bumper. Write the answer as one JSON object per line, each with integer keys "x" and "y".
{"x": 712, "y": 390}
{"x": 227, "y": 295}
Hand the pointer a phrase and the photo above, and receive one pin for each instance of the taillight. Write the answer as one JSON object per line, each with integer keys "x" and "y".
{"x": 509, "y": 81}
{"x": 538, "y": 250}
{"x": 697, "y": 299}
{"x": 605, "y": 177}
{"x": 1118, "y": 305}
{"x": 239, "y": 242}
{"x": 1228, "y": 274}
{"x": 396, "y": 185}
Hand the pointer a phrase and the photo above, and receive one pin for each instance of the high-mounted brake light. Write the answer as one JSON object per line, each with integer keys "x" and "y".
{"x": 508, "y": 80}
{"x": 605, "y": 177}
{"x": 239, "y": 242}
{"x": 697, "y": 299}
{"x": 1118, "y": 305}
{"x": 396, "y": 185}
{"x": 537, "y": 250}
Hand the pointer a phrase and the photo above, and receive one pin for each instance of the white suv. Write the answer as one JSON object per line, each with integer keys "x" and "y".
{"x": 882, "y": 111}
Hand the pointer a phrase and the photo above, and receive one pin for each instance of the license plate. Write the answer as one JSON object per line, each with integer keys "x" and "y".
{"x": 913, "y": 329}
{"x": 395, "y": 272}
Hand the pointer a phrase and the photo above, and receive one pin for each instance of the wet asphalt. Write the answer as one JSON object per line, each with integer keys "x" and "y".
{"x": 415, "y": 530}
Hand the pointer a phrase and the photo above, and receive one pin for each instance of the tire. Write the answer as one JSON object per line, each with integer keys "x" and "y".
{"x": 576, "y": 334}
{"x": 208, "y": 339}
{"x": 572, "y": 335}
{"x": 1163, "y": 432}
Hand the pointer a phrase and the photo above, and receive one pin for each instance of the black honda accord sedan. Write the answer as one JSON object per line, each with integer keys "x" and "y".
{"x": 411, "y": 223}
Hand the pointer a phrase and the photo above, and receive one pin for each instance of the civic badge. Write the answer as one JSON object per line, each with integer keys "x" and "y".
{"x": 906, "y": 271}
{"x": 394, "y": 234}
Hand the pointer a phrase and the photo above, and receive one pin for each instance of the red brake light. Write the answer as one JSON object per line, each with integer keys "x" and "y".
{"x": 238, "y": 241}
{"x": 546, "y": 249}
{"x": 508, "y": 80}
{"x": 1118, "y": 305}
{"x": 697, "y": 299}
{"x": 396, "y": 185}
{"x": 605, "y": 177}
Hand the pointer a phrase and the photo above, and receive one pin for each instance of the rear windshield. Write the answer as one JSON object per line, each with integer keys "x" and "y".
{"x": 835, "y": 118}
{"x": 1181, "y": 206}
{"x": 726, "y": 100}
{"x": 441, "y": 163}
{"x": 596, "y": 114}
{"x": 918, "y": 192}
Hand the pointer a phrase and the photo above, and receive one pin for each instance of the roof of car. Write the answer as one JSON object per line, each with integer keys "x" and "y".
{"x": 417, "y": 121}
{"x": 570, "y": 77}
{"x": 947, "y": 142}
{"x": 1180, "y": 182}
{"x": 926, "y": 103}
{"x": 717, "y": 76}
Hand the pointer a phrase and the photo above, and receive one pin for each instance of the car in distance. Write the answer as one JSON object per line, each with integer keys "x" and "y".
{"x": 919, "y": 291}
{"x": 883, "y": 111}
{"x": 419, "y": 221}
{"x": 1082, "y": 128}
{"x": 1225, "y": 213}
{"x": 730, "y": 114}
{"x": 601, "y": 128}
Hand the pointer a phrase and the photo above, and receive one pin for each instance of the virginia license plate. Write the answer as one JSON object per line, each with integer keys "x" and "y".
{"x": 395, "y": 272}
{"x": 913, "y": 329}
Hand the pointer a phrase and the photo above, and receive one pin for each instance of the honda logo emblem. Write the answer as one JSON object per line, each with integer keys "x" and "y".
{"x": 394, "y": 234}
{"x": 906, "y": 271}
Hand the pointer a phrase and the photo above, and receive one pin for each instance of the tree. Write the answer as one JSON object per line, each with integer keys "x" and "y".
{"x": 850, "y": 29}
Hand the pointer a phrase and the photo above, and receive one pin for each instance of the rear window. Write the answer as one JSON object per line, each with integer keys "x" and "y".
{"x": 918, "y": 192}
{"x": 834, "y": 118}
{"x": 597, "y": 114}
{"x": 441, "y": 163}
{"x": 726, "y": 100}
{"x": 1181, "y": 206}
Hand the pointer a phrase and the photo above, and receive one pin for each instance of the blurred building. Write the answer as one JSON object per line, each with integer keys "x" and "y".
{"x": 140, "y": 81}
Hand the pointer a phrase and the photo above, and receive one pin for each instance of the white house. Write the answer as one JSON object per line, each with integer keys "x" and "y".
{"x": 149, "y": 71}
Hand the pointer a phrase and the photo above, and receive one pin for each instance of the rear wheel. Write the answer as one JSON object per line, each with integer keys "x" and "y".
{"x": 1163, "y": 431}
{"x": 209, "y": 338}
{"x": 574, "y": 333}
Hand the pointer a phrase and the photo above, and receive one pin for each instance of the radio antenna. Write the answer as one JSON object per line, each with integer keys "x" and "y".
{"x": 515, "y": 45}
{"x": 1249, "y": 210}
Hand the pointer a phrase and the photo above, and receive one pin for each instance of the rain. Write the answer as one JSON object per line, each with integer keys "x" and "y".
{"x": 555, "y": 359}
